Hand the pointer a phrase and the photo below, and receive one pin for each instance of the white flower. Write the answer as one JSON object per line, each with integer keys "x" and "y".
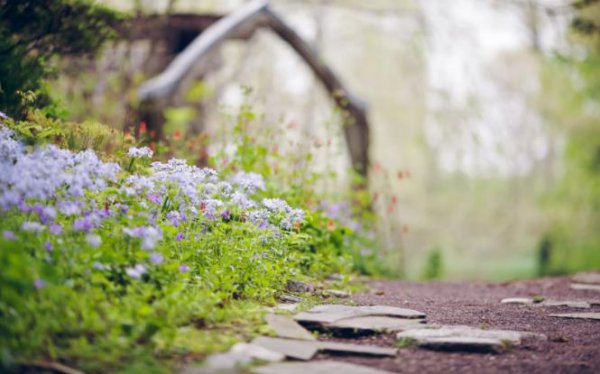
{"x": 140, "y": 152}
{"x": 32, "y": 226}
{"x": 137, "y": 271}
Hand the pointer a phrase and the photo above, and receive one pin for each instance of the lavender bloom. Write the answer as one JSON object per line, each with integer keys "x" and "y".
{"x": 48, "y": 246}
{"x": 149, "y": 235}
{"x": 241, "y": 200}
{"x": 259, "y": 218}
{"x": 180, "y": 236}
{"x": 183, "y": 268}
{"x": 174, "y": 217}
{"x": 9, "y": 235}
{"x": 249, "y": 182}
{"x": 32, "y": 226}
{"x": 136, "y": 271}
{"x": 83, "y": 224}
{"x": 156, "y": 258}
{"x": 276, "y": 205}
{"x": 154, "y": 198}
{"x": 69, "y": 207}
{"x": 210, "y": 207}
{"x": 140, "y": 152}
{"x": 39, "y": 283}
{"x": 99, "y": 266}
{"x": 93, "y": 240}
{"x": 226, "y": 215}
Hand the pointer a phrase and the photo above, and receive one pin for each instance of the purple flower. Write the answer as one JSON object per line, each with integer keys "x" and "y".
{"x": 249, "y": 182}
{"x": 150, "y": 235}
{"x": 276, "y": 205}
{"x": 49, "y": 247}
{"x": 180, "y": 236}
{"x": 55, "y": 229}
{"x": 93, "y": 240}
{"x": 39, "y": 283}
{"x": 136, "y": 271}
{"x": 183, "y": 268}
{"x": 32, "y": 226}
{"x": 9, "y": 235}
{"x": 100, "y": 266}
{"x": 83, "y": 224}
{"x": 226, "y": 215}
{"x": 69, "y": 208}
{"x": 174, "y": 217}
{"x": 156, "y": 258}
{"x": 154, "y": 198}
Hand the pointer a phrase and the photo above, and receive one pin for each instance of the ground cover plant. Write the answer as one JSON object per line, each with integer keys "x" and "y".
{"x": 126, "y": 263}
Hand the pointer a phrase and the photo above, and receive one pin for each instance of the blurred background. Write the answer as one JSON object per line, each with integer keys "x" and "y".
{"x": 484, "y": 116}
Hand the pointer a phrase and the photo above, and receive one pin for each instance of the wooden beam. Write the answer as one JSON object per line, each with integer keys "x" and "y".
{"x": 166, "y": 82}
{"x": 356, "y": 127}
{"x": 249, "y": 17}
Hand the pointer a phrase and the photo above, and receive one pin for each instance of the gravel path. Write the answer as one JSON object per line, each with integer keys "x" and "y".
{"x": 573, "y": 346}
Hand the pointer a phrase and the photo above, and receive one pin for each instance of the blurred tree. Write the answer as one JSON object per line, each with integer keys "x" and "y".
{"x": 32, "y": 32}
{"x": 575, "y": 236}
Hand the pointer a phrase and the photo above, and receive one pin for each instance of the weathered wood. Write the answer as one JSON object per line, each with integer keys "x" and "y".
{"x": 356, "y": 128}
{"x": 246, "y": 19}
{"x": 165, "y": 83}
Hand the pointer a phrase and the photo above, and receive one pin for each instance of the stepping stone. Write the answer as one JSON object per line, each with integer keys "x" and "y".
{"x": 305, "y": 350}
{"x": 377, "y": 324}
{"x": 513, "y": 337}
{"x": 239, "y": 354}
{"x": 298, "y": 286}
{"x": 357, "y": 349}
{"x": 327, "y": 314}
{"x": 517, "y": 300}
{"x": 587, "y": 277}
{"x": 595, "y": 316}
{"x": 299, "y": 349}
{"x": 286, "y": 327}
{"x": 567, "y": 303}
{"x": 288, "y": 307}
{"x": 290, "y": 299}
{"x": 463, "y": 344}
{"x": 316, "y": 367}
{"x": 337, "y": 294}
{"x": 585, "y": 287}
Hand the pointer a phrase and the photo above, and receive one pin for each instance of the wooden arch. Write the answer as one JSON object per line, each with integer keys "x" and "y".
{"x": 253, "y": 15}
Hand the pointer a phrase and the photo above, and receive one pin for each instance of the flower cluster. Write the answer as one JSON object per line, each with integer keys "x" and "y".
{"x": 66, "y": 196}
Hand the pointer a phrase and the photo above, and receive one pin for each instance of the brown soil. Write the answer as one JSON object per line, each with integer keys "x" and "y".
{"x": 573, "y": 346}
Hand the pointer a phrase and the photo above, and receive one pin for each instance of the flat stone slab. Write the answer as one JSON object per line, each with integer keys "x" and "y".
{"x": 316, "y": 367}
{"x": 517, "y": 300}
{"x": 377, "y": 324}
{"x": 567, "y": 303}
{"x": 299, "y": 349}
{"x": 585, "y": 287}
{"x": 595, "y": 316}
{"x": 463, "y": 344}
{"x": 504, "y": 336}
{"x": 239, "y": 354}
{"x": 305, "y": 350}
{"x": 359, "y": 349}
{"x": 286, "y": 327}
{"x": 592, "y": 277}
{"x": 330, "y": 313}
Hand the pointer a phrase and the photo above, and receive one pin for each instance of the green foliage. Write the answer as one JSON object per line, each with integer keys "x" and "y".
{"x": 434, "y": 266}
{"x": 32, "y": 32}
{"x": 573, "y": 241}
{"x": 65, "y": 299}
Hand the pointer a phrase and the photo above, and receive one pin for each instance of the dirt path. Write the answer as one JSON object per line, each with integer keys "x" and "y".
{"x": 573, "y": 346}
